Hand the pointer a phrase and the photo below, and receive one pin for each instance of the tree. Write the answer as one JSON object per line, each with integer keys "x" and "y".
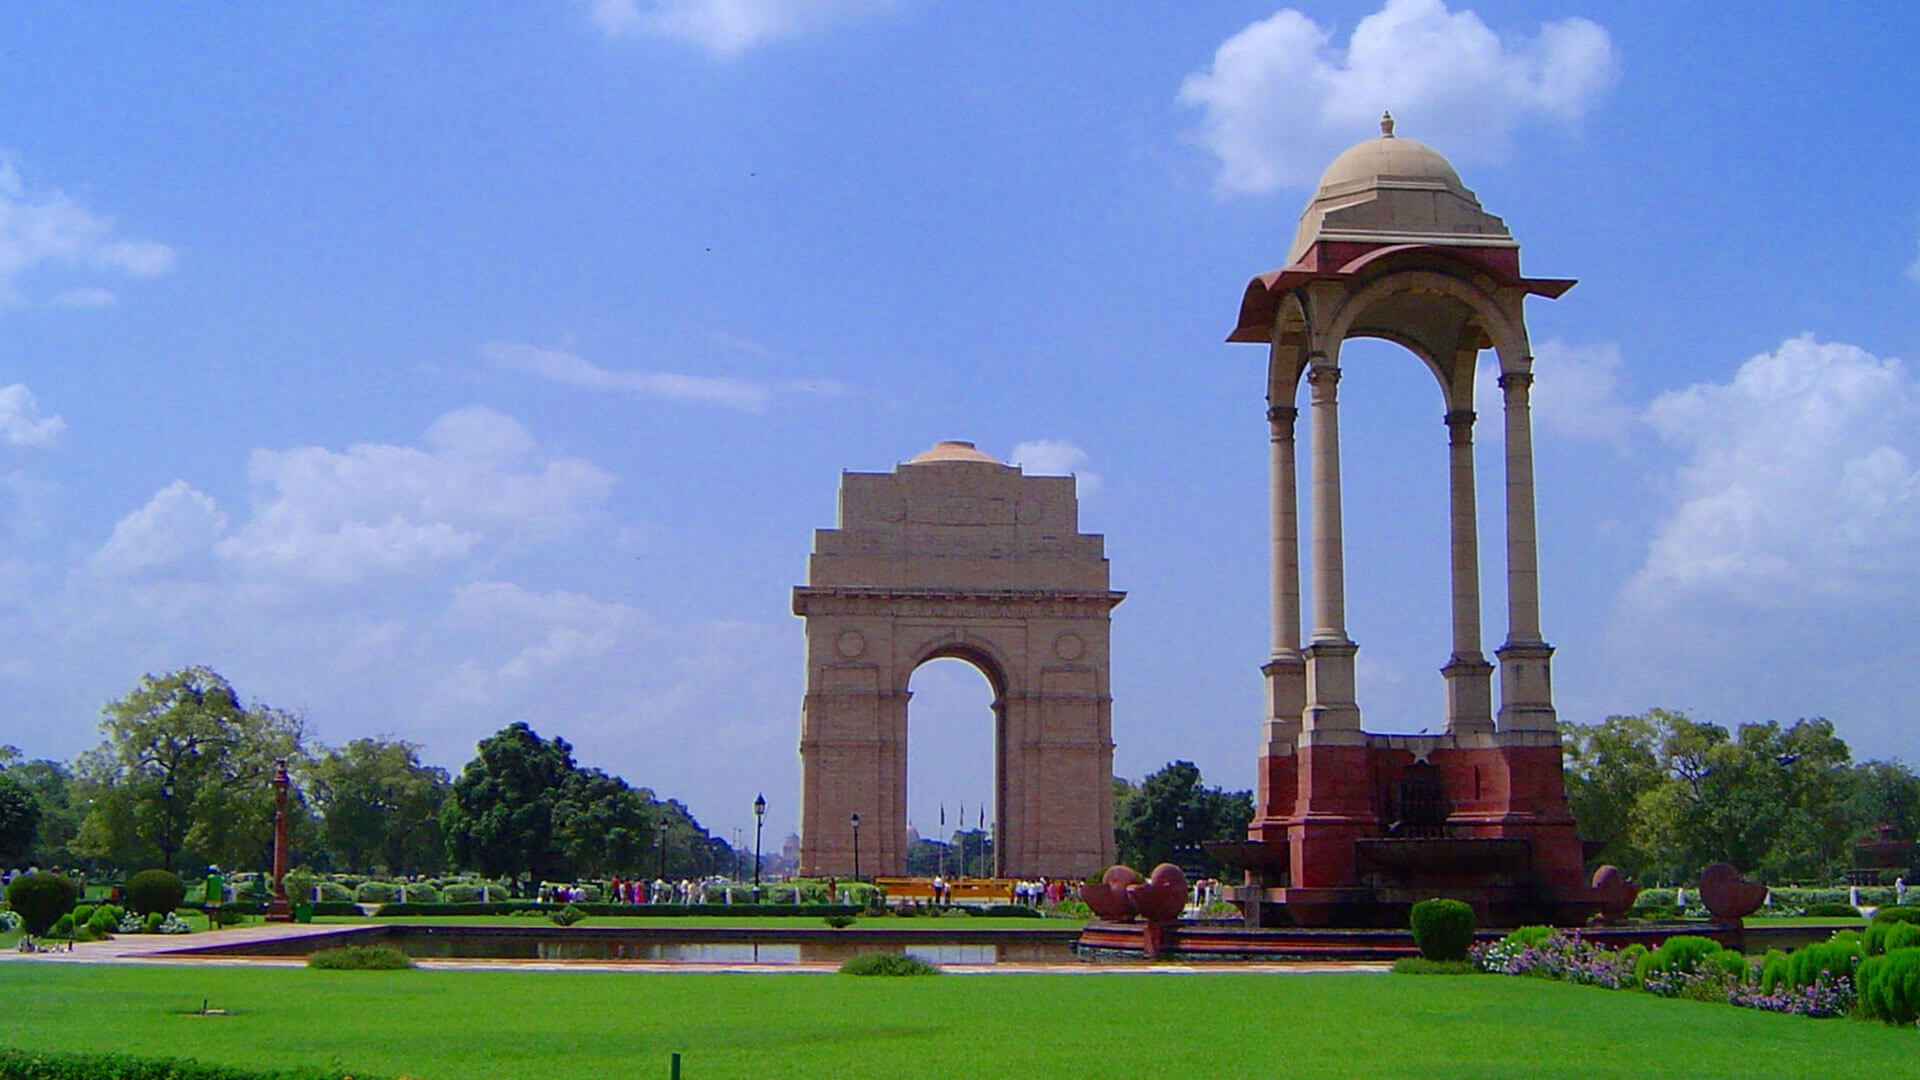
{"x": 19, "y": 819}
{"x": 184, "y": 768}
{"x": 52, "y": 786}
{"x": 1610, "y": 766}
{"x": 500, "y": 819}
{"x": 380, "y": 807}
{"x": 604, "y": 826}
{"x": 1172, "y": 813}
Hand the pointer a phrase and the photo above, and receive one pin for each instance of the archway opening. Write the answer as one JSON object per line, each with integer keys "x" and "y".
{"x": 1394, "y": 486}
{"x": 952, "y": 745}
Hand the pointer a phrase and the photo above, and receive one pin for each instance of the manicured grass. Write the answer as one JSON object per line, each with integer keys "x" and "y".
{"x": 454, "y": 1025}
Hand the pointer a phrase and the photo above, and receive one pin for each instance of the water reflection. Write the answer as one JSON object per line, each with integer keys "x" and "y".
{"x": 563, "y": 948}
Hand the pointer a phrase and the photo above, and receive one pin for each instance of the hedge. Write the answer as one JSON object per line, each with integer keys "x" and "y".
{"x": 61, "y": 1065}
{"x": 529, "y": 907}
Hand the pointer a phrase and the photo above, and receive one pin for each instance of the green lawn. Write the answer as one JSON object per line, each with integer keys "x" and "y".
{"x": 448, "y": 1025}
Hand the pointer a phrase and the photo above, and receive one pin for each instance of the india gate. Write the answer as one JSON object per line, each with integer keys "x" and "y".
{"x": 954, "y": 554}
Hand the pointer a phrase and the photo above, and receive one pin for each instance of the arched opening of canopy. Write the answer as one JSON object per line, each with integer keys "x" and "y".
{"x": 954, "y": 725}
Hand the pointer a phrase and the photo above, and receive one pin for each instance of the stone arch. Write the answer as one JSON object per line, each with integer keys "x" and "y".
{"x": 954, "y": 554}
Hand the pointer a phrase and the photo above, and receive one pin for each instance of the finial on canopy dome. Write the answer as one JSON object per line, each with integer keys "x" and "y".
{"x": 1386, "y": 125}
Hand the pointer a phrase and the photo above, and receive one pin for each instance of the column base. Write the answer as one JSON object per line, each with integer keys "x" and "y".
{"x": 1330, "y": 682}
{"x": 1526, "y": 686}
{"x": 1469, "y": 679}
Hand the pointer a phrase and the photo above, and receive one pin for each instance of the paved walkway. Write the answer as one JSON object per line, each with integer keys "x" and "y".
{"x": 164, "y": 949}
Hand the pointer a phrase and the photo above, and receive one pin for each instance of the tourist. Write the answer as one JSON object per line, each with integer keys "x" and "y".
{"x": 1900, "y": 890}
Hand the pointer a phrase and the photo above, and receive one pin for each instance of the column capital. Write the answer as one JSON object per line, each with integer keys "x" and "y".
{"x": 1322, "y": 382}
{"x": 1282, "y": 416}
{"x": 1516, "y": 380}
{"x": 1460, "y": 425}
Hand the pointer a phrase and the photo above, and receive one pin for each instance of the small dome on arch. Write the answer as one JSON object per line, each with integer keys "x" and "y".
{"x": 953, "y": 450}
{"x": 1390, "y": 190}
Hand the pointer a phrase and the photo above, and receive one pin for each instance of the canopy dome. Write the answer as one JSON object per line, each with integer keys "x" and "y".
{"x": 952, "y": 450}
{"x": 1391, "y": 190}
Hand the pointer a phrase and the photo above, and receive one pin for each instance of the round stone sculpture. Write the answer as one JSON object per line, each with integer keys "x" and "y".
{"x": 1617, "y": 893}
{"x": 1728, "y": 896}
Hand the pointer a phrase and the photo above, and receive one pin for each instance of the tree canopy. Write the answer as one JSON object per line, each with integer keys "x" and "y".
{"x": 1171, "y": 814}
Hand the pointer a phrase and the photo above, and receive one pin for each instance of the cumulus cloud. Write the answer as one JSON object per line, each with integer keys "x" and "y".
{"x": 1576, "y": 393}
{"x": 49, "y": 227}
{"x": 1282, "y": 98}
{"x": 1056, "y": 457}
{"x": 725, "y": 28}
{"x": 20, "y": 421}
{"x": 556, "y": 629}
{"x": 178, "y": 522}
{"x": 563, "y": 367}
{"x": 341, "y": 516}
{"x": 1800, "y": 483}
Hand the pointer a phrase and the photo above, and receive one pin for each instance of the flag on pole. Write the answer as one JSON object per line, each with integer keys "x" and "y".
{"x": 943, "y": 815}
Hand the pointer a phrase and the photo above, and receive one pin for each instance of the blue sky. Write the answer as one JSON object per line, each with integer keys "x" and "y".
{"x": 424, "y": 371}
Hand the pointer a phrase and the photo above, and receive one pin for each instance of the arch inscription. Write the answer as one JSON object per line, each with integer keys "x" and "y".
{"x": 954, "y": 554}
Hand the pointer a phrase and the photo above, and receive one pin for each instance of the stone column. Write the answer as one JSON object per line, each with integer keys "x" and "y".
{"x": 1467, "y": 673}
{"x": 1526, "y": 695}
{"x": 1285, "y": 667}
{"x": 1330, "y": 698}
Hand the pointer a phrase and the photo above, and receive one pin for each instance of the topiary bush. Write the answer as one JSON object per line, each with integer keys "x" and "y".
{"x": 1773, "y": 971}
{"x": 155, "y": 892}
{"x": 376, "y": 892}
{"x": 1884, "y": 920}
{"x": 1838, "y": 957}
{"x": 839, "y": 922}
{"x": 457, "y": 894}
{"x": 886, "y": 963}
{"x": 41, "y": 899}
{"x": 1832, "y": 911}
{"x": 1527, "y": 936}
{"x": 1443, "y": 929}
{"x": 1889, "y": 986}
{"x": 360, "y": 958}
{"x": 1681, "y": 954}
{"x": 105, "y": 920}
{"x": 1733, "y": 964}
{"x": 566, "y": 916}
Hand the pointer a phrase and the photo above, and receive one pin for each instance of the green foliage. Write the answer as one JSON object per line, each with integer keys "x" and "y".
{"x": 155, "y": 892}
{"x": 1172, "y": 813}
{"x": 1443, "y": 929}
{"x": 1668, "y": 795}
{"x": 41, "y": 899}
{"x": 1528, "y": 936}
{"x": 566, "y": 916}
{"x": 840, "y": 922}
{"x": 1681, "y": 953}
{"x": 1889, "y": 986}
{"x": 1834, "y": 911}
{"x": 460, "y": 894}
{"x": 886, "y": 963}
{"x": 55, "y": 1065}
{"x": 1420, "y": 965}
{"x": 376, "y": 892}
{"x": 185, "y": 769}
{"x": 1773, "y": 971}
{"x": 19, "y": 819}
{"x": 1733, "y": 964}
{"x": 380, "y": 807}
{"x": 104, "y": 920}
{"x": 1881, "y": 933}
{"x": 360, "y": 958}
{"x": 1838, "y": 957}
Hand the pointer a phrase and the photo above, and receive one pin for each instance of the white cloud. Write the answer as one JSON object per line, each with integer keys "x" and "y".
{"x": 1800, "y": 485}
{"x": 91, "y": 297}
{"x": 20, "y": 421}
{"x": 339, "y": 517}
{"x": 42, "y": 227}
{"x": 725, "y": 28}
{"x": 564, "y": 628}
{"x": 1281, "y": 99}
{"x": 176, "y": 523}
{"x": 563, "y": 367}
{"x": 1056, "y": 457}
{"x": 1576, "y": 393}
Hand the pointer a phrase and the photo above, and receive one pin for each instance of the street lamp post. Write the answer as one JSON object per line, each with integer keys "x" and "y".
{"x": 856, "y": 847}
{"x": 166, "y": 824}
{"x": 759, "y": 819}
{"x": 278, "y": 910}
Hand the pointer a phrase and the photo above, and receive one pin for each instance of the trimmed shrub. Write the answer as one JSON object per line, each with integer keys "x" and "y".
{"x": 839, "y": 922}
{"x": 1839, "y": 957}
{"x": 886, "y": 963}
{"x": 1629, "y": 963}
{"x": 1006, "y": 911}
{"x": 457, "y": 894}
{"x": 152, "y": 892}
{"x": 1443, "y": 929}
{"x": 62, "y": 926}
{"x": 332, "y": 892}
{"x": 360, "y": 958}
{"x": 419, "y": 892}
{"x": 1832, "y": 911}
{"x": 105, "y": 920}
{"x": 1884, "y": 920}
{"x": 1654, "y": 912}
{"x": 1420, "y": 965}
{"x": 1773, "y": 971}
{"x": 1733, "y": 964}
{"x": 1890, "y": 986}
{"x": 41, "y": 899}
{"x": 566, "y": 916}
{"x": 1681, "y": 954}
{"x": 376, "y": 892}
{"x": 1528, "y": 936}
{"x": 60, "y": 1065}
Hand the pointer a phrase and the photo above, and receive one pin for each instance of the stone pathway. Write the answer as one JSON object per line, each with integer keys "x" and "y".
{"x": 164, "y": 949}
